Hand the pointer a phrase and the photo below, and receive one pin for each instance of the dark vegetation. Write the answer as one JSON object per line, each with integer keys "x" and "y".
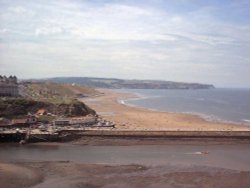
{"x": 12, "y": 107}
{"x": 56, "y": 99}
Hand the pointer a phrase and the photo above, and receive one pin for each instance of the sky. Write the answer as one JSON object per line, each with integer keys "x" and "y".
{"x": 182, "y": 40}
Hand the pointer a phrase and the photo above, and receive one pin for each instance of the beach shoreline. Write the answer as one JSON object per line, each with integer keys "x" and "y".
{"x": 206, "y": 117}
{"x": 200, "y": 115}
{"x": 131, "y": 117}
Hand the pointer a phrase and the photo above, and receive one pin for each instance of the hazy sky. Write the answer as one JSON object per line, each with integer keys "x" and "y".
{"x": 185, "y": 40}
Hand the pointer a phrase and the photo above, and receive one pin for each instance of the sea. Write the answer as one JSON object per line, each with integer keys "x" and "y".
{"x": 219, "y": 105}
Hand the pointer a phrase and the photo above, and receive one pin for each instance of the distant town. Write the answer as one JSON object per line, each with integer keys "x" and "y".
{"x": 35, "y": 111}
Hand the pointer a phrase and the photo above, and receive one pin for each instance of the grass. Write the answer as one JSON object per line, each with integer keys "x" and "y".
{"x": 57, "y": 93}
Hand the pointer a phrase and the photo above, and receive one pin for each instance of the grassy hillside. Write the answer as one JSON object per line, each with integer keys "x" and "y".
{"x": 55, "y": 92}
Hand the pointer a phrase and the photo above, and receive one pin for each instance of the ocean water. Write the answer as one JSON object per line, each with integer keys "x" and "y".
{"x": 226, "y": 105}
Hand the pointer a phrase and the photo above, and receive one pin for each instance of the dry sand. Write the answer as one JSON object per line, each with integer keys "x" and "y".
{"x": 134, "y": 118}
{"x": 73, "y": 175}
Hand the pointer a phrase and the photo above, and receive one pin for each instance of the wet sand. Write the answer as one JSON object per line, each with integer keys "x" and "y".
{"x": 72, "y": 175}
{"x": 134, "y": 118}
{"x": 18, "y": 175}
{"x": 132, "y": 141}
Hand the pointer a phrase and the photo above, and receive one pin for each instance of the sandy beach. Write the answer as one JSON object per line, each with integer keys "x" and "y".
{"x": 134, "y": 118}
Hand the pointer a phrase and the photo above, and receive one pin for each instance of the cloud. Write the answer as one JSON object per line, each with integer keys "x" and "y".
{"x": 2, "y": 31}
{"x": 184, "y": 40}
{"x": 20, "y": 11}
{"x": 48, "y": 31}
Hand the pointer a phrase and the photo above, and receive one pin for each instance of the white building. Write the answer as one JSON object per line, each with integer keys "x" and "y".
{"x": 8, "y": 86}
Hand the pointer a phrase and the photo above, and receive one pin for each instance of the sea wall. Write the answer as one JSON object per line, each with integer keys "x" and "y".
{"x": 167, "y": 134}
{"x": 67, "y": 135}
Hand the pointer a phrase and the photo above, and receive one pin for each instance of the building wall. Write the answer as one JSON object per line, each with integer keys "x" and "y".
{"x": 8, "y": 86}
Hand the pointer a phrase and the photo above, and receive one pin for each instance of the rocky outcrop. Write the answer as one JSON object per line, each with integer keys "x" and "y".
{"x": 75, "y": 108}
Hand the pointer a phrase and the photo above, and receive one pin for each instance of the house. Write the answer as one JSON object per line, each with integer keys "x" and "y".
{"x": 41, "y": 112}
{"x": 8, "y": 86}
{"x": 31, "y": 119}
{"x": 88, "y": 120}
{"x": 4, "y": 122}
{"x": 61, "y": 122}
{"x": 17, "y": 122}
{"x": 20, "y": 122}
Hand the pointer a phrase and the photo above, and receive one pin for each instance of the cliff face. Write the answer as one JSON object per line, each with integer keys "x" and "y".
{"x": 21, "y": 106}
